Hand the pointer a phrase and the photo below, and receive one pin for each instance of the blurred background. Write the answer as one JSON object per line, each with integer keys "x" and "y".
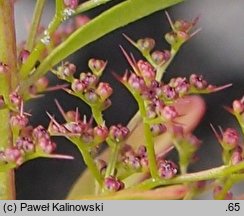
{"x": 216, "y": 53}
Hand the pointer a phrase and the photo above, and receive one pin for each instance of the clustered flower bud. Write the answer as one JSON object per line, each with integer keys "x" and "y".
{"x": 15, "y": 98}
{"x": 181, "y": 31}
{"x": 118, "y": 133}
{"x": 230, "y": 139}
{"x": 166, "y": 169}
{"x": 97, "y": 66}
{"x": 66, "y": 71}
{"x": 88, "y": 88}
{"x": 31, "y": 141}
{"x": 113, "y": 184}
{"x": 19, "y": 121}
{"x": 146, "y": 70}
{"x": 238, "y": 106}
{"x": 161, "y": 57}
{"x": 146, "y": 44}
{"x": 134, "y": 159}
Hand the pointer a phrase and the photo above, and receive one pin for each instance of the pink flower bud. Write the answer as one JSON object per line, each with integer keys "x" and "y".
{"x": 238, "y": 106}
{"x": 14, "y": 155}
{"x": 68, "y": 69}
{"x": 71, "y": 3}
{"x": 236, "y": 157}
{"x": 141, "y": 151}
{"x": 72, "y": 116}
{"x": 40, "y": 132}
{"x": 91, "y": 97}
{"x": 100, "y": 133}
{"x": 75, "y": 127}
{"x": 180, "y": 85}
{"x": 104, "y": 90}
{"x": 90, "y": 80}
{"x": 46, "y": 145}
{"x": 169, "y": 113}
{"x": 97, "y": 66}
{"x": 136, "y": 83}
{"x": 23, "y": 56}
{"x": 118, "y": 133}
{"x": 198, "y": 81}
{"x": 26, "y": 144}
{"x": 160, "y": 57}
{"x": 113, "y": 184}
{"x": 230, "y": 138}
{"x": 146, "y": 44}
{"x": 147, "y": 71}
{"x": 182, "y": 25}
{"x": 158, "y": 129}
{"x": 78, "y": 86}
{"x": 166, "y": 169}
{"x": 169, "y": 92}
{"x": 133, "y": 162}
{"x": 15, "y": 98}
{"x": 19, "y": 121}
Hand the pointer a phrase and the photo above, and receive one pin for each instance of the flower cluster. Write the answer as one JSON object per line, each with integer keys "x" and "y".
{"x": 87, "y": 86}
{"x": 135, "y": 160}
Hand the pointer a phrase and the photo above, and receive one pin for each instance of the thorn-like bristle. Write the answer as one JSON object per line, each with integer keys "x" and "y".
{"x": 60, "y": 108}
{"x": 57, "y": 87}
{"x": 53, "y": 119}
{"x": 222, "y": 87}
{"x": 170, "y": 20}
{"x": 215, "y": 132}
{"x": 130, "y": 40}
{"x": 131, "y": 61}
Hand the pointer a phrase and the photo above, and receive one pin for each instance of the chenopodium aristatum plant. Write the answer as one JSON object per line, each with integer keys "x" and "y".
{"x": 136, "y": 163}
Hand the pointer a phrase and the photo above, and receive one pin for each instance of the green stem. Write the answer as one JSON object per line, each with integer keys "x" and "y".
{"x": 7, "y": 82}
{"x": 149, "y": 140}
{"x": 88, "y": 5}
{"x": 97, "y": 114}
{"x": 35, "y": 24}
{"x": 40, "y": 46}
{"x": 96, "y": 28}
{"x": 89, "y": 161}
{"x": 113, "y": 159}
{"x": 214, "y": 173}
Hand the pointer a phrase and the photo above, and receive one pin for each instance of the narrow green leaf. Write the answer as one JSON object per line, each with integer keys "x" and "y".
{"x": 118, "y": 16}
